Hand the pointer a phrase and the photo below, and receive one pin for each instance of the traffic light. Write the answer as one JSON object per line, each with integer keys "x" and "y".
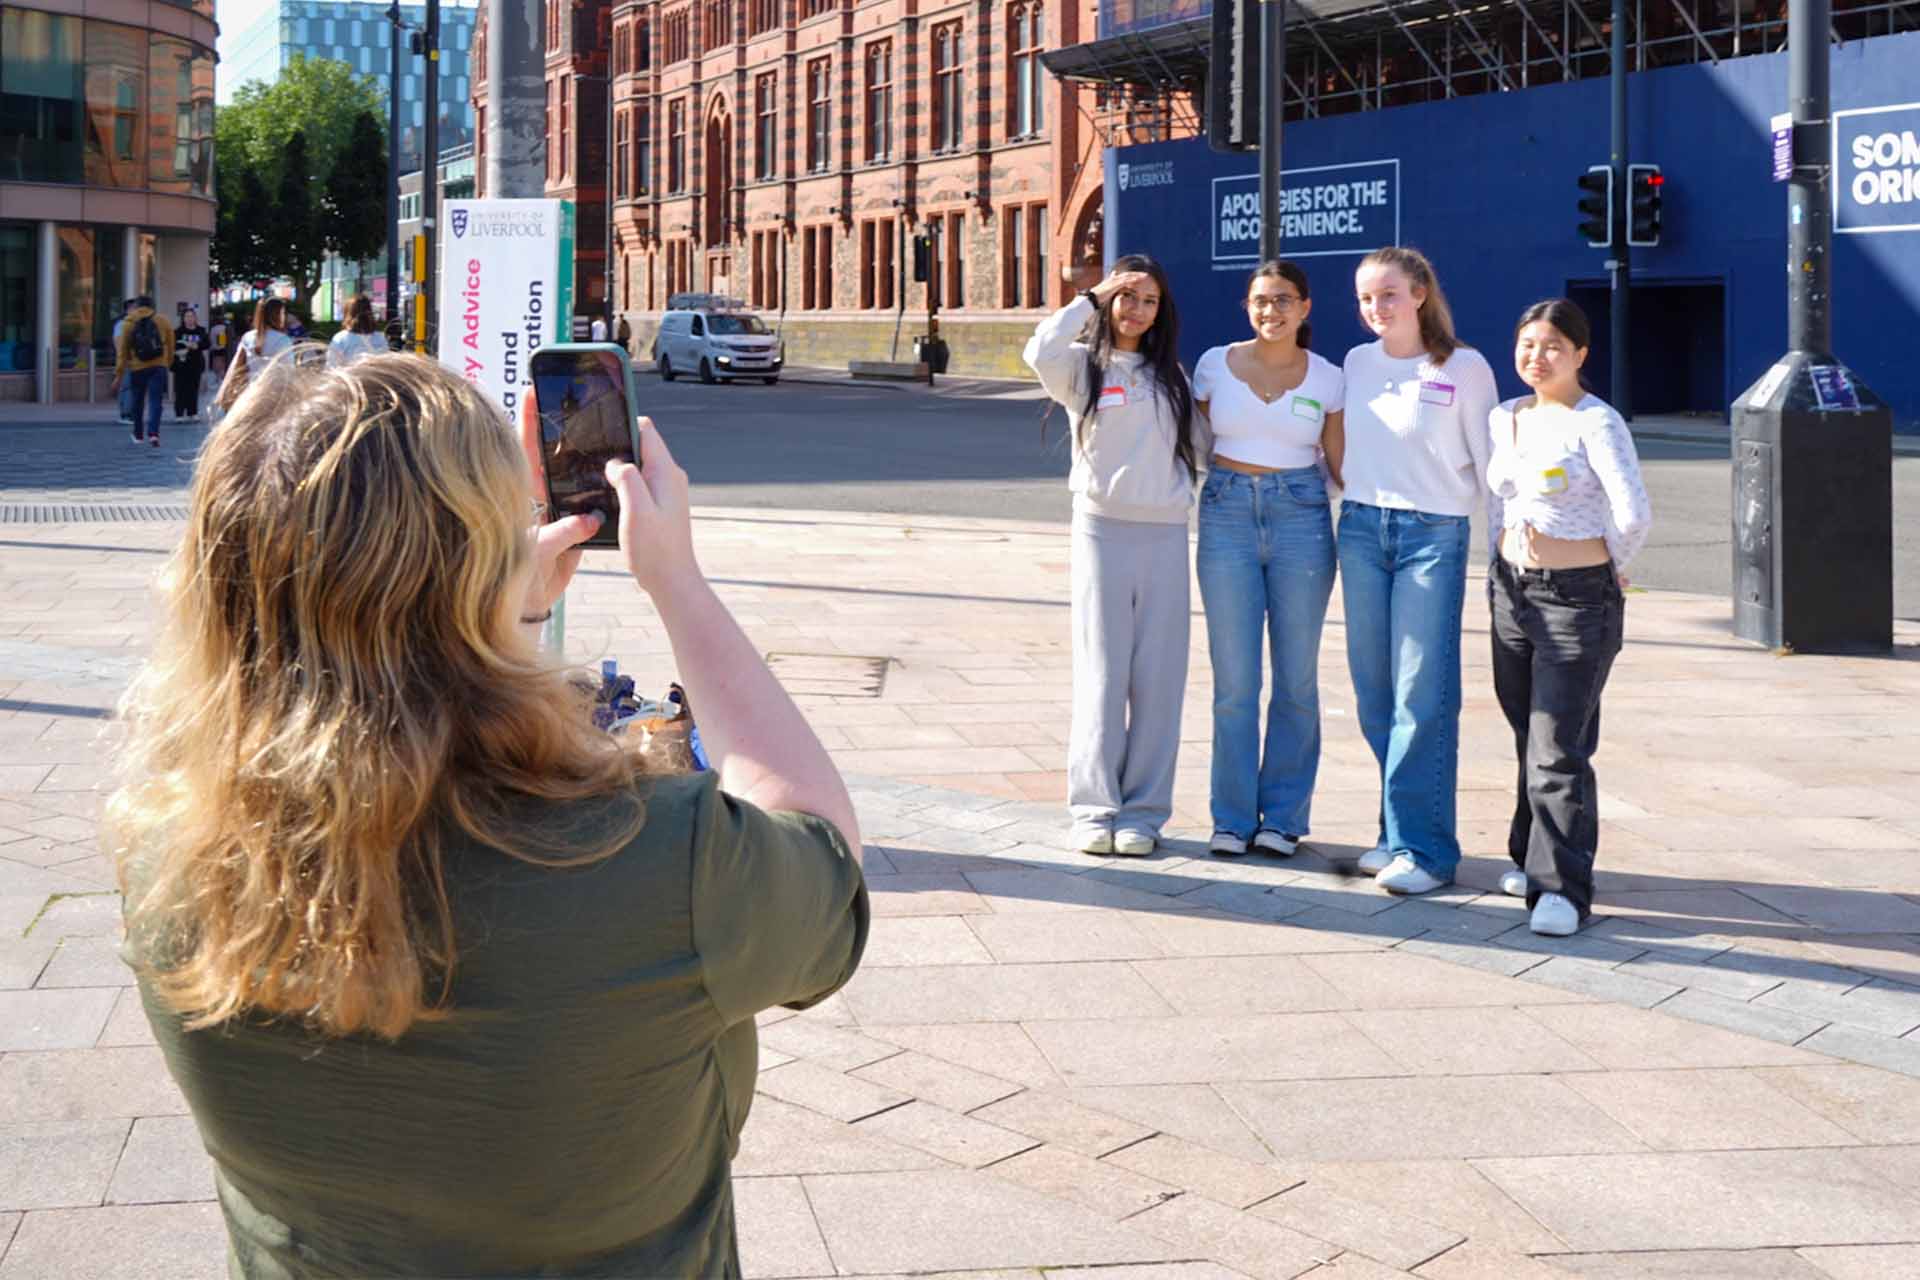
{"x": 1645, "y": 186}
{"x": 1596, "y": 205}
{"x": 1233, "y": 77}
{"x": 922, "y": 257}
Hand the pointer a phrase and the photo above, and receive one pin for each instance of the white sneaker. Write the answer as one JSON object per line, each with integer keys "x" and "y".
{"x": 1133, "y": 844}
{"x": 1555, "y": 917}
{"x": 1404, "y": 875}
{"x": 1225, "y": 844}
{"x": 1514, "y": 883}
{"x": 1093, "y": 840}
{"x": 1276, "y": 843}
{"x": 1375, "y": 860}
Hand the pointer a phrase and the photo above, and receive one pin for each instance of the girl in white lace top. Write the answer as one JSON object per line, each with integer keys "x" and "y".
{"x": 1568, "y": 509}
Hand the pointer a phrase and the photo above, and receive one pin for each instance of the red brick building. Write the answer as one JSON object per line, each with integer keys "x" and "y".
{"x": 788, "y": 151}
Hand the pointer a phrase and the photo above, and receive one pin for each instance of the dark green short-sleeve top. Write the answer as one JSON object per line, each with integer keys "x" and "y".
{"x": 577, "y": 1113}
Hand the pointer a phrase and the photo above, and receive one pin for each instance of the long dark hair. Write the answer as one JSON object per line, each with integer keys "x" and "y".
{"x": 1436, "y": 317}
{"x": 1281, "y": 269}
{"x": 1159, "y": 348}
{"x": 360, "y": 314}
{"x": 269, "y": 313}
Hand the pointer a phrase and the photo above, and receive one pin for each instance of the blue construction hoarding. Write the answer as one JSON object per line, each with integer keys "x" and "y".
{"x": 1485, "y": 185}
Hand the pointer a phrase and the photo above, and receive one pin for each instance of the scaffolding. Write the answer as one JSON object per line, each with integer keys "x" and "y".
{"x": 1149, "y": 71}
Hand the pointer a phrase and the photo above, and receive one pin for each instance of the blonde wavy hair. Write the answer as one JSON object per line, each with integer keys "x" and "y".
{"x": 336, "y": 693}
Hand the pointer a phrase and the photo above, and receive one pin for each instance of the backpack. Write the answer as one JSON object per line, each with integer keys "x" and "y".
{"x": 146, "y": 339}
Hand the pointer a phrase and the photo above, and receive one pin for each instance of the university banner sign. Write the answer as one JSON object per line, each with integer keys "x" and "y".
{"x": 1325, "y": 211}
{"x": 506, "y": 289}
{"x": 1876, "y": 169}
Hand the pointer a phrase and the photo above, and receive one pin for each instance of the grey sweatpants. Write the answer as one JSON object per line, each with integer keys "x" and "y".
{"x": 1130, "y": 626}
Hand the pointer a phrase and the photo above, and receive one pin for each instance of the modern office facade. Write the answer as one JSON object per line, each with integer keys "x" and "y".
{"x": 789, "y": 154}
{"x": 264, "y": 36}
{"x": 1464, "y": 133}
{"x": 106, "y": 177}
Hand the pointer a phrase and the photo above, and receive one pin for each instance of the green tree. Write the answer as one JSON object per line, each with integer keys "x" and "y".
{"x": 356, "y": 217}
{"x": 297, "y": 216}
{"x": 318, "y": 99}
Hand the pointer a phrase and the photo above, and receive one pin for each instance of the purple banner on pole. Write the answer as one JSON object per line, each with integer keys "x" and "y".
{"x": 1782, "y": 147}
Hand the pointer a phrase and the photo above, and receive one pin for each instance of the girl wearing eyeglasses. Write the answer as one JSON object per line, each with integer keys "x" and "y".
{"x": 1266, "y": 559}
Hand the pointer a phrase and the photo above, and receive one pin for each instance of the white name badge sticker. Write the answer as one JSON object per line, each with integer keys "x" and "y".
{"x": 1436, "y": 392}
{"x": 1310, "y": 409}
{"x": 1113, "y": 398}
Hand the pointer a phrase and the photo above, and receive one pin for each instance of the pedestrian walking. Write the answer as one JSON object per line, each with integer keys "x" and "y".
{"x": 623, "y": 334}
{"x": 266, "y": 339}
{"x": 125, "y": 393}
{"x": 189, "y": 366}
{"x": 1566, "y": 511}
{"x": 141, "y": 357}
{"x": 358, "y": 338}
{"x": 1415, "y": 468}
{"x": 1135, "y": 441}
{"x": 220, "y": 337}
{"x": 420, "y": 945}
{"x": 598, "y": 329}
{"x": 1266, "y": 560}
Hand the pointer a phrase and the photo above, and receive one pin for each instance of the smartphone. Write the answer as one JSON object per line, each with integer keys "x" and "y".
{"x": 585, "y": 396}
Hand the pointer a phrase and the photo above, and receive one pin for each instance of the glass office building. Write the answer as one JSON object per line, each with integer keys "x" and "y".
{"x": 106, "y": 178}
{"x": 265, "y": 35}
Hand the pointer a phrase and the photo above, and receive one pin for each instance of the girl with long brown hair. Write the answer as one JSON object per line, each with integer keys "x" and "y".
{"x": 1415, "y": 468}
{"x": 452, "y": 983}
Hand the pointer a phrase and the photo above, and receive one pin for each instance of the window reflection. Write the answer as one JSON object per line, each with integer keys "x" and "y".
{"x": 40, "y": 96}
{"x": 103, "y": 104}
{"x": 19, "y": 283}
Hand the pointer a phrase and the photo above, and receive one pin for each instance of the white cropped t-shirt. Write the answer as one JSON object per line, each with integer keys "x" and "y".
{"x": 1284, "y": 434}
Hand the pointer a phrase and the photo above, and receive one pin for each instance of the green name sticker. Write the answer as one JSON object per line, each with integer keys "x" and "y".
{"x": 1308, "y": 409}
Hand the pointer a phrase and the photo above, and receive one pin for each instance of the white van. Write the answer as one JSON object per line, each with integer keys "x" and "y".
{"x": 716, "y": 337}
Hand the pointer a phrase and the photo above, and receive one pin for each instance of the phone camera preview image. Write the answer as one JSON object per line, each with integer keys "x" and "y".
{"x": 585, "y": 422}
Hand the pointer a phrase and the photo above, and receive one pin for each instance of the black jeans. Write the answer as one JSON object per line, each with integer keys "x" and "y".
{"x": 1556, "y": 633}
{"x": 186, "y": 388}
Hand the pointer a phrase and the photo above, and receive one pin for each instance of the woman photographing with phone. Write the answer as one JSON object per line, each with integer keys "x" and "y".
{"x": 1135, "y": 440}
{"x": 1567, "y": 511}
{"x": 1266, "y": 560}
{"x": 1415, "y": 468}
{"x": 453, "y": 984}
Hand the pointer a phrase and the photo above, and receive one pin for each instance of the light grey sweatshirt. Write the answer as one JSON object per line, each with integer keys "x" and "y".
{"x": 1124, "y": 467}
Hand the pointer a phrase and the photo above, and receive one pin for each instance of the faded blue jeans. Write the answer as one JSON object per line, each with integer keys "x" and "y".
{"x": 1265, "y": 565}
{"x": 1404, "y": 580}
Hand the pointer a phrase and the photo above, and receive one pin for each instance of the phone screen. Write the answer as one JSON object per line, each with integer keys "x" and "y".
{"x": 585, "y": 421}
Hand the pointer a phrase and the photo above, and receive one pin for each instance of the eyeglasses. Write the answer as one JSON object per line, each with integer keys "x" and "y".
{"x": 1273, "y": 302}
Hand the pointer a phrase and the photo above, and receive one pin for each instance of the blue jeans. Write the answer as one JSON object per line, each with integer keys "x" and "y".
{"x": 149, "y": 399}
{"x": 1265, "y": 563}
{"x": 1404, "y": 578}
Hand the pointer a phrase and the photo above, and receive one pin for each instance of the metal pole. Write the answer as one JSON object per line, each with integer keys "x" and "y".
{"x": 606, "y": 271}
{"x": 1621, "y": 265}
{"x": 1810, "y": 229}
{"x": 516, "y": 100}
{"x": 1273, "y": 84}
{"x": 430, "y": 163}
{"x": 393, "y": 164}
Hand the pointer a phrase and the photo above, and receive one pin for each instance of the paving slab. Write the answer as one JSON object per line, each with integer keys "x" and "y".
{"x": 1194, "y": 1167}
{"x": 1180, "y": 1050}
{"x": 781, "y": 1138}
{"x": 1696, "y": 1264}
{"x": 1709, "y": 1200}
{"x": 1865, "y": 1261}
{"x": 1425, "y": 1118}
{"x": 1250, "y": 1245}
{"x": 777, "y": 1233}
{"x": 1449, "y": 1193}
{"x": 153, "y": 1242}
{"x": 58, "y": 1164}
{"x": 965, "y": 1220}
{"x": 1398, "y": 1238}
{"x": 1707, "y": 1110}
{"x": 1099, "y": 1185}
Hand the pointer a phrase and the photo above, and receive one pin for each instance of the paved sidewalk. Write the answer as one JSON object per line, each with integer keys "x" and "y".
{"x": 1115, "y": 1069}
